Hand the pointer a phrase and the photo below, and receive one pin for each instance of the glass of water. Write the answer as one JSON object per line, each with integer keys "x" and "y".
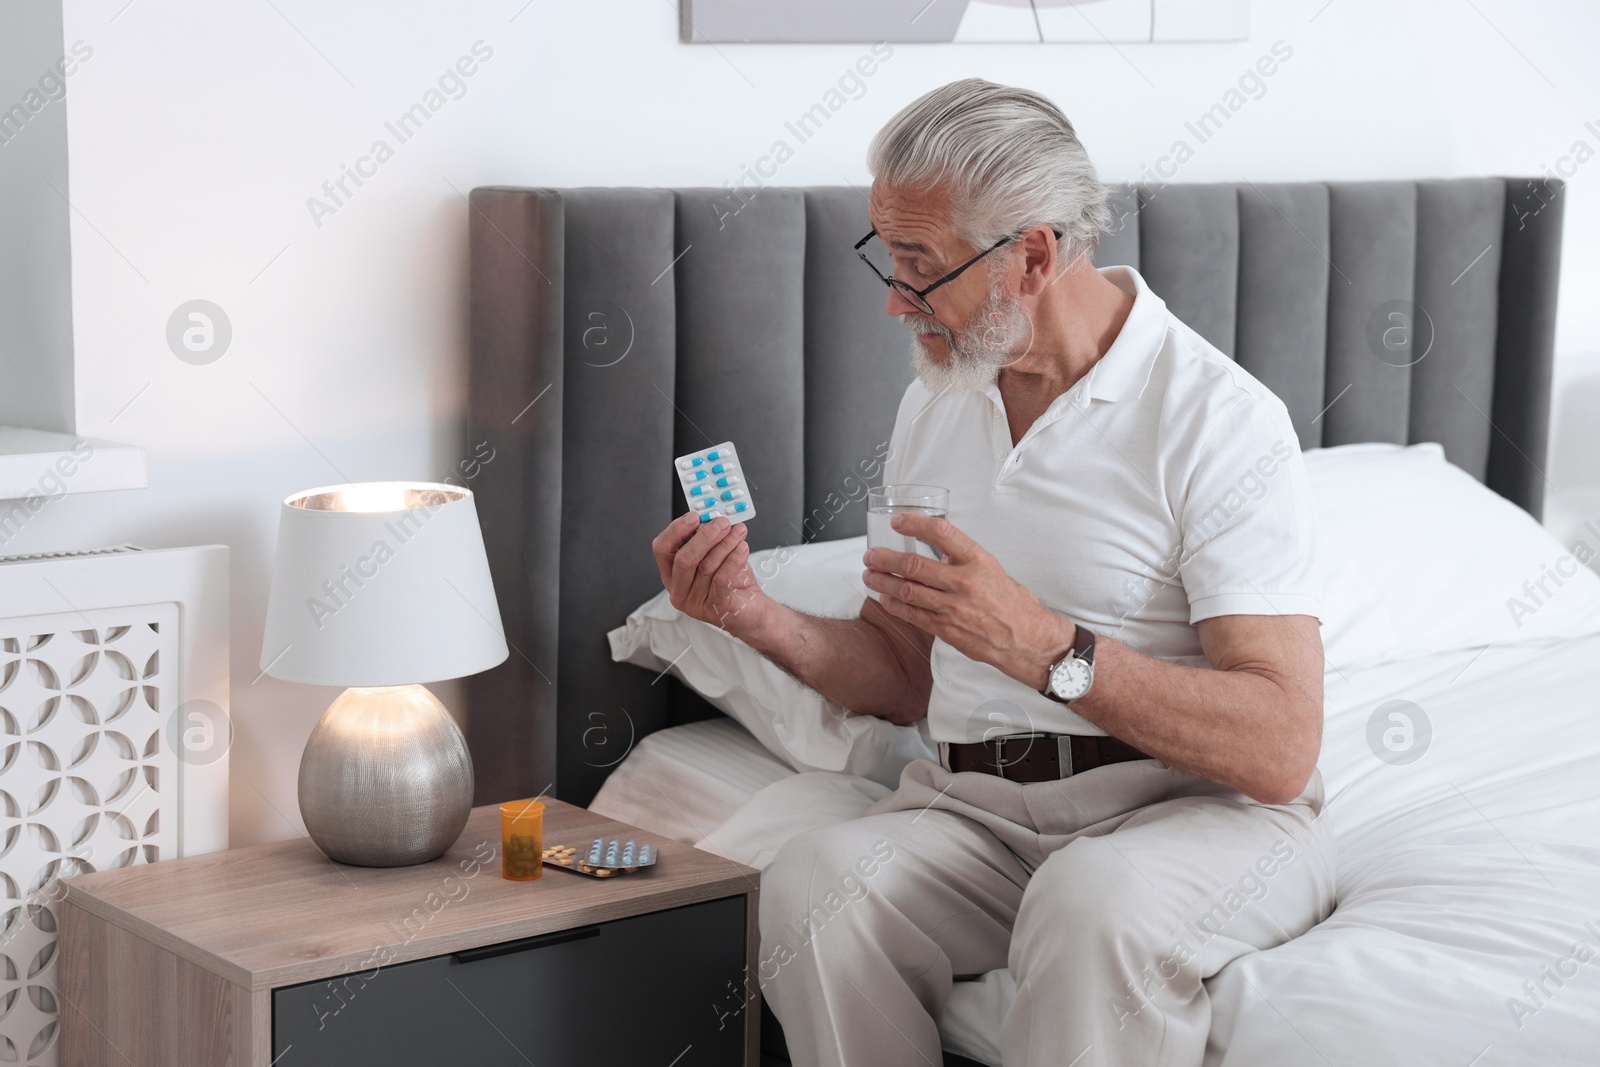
{"x": 884, "y": 502}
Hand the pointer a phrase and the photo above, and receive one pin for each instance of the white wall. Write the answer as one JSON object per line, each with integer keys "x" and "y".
{"x": 199, "y": 130}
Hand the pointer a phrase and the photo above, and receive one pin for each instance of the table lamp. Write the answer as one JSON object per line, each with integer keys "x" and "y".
{"x": 380, "y": 587}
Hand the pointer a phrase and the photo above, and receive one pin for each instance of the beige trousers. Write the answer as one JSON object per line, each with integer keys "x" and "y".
{"x": 1111, "y": 896}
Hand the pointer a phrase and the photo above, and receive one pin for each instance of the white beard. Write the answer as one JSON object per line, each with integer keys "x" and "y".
{"x": 989, "y": 343}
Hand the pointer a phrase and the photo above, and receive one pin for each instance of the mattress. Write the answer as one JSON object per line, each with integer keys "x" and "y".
{"x": 1467, "y": 929}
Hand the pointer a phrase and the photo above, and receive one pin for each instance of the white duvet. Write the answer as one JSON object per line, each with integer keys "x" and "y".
{"x": 1468, "y": 925}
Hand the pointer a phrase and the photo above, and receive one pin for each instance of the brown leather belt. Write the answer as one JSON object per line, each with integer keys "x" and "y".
{"x": 1038, "y": 757}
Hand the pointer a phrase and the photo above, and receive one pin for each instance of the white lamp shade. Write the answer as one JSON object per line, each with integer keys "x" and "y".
{"x": 380, "y": 583}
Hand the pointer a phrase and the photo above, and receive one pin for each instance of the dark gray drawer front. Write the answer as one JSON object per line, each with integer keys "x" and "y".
{"x": 634, "y": 991}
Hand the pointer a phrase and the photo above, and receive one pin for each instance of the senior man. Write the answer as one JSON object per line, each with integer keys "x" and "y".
{"x": 1118, "y": 650}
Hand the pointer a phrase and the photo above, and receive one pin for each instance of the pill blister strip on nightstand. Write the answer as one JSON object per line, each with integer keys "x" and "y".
{"x": 602, "y": 859}
{"x": 714, "y": 484}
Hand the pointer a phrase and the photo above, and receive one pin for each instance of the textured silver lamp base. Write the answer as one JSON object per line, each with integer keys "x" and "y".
{"x": 386, "y": 778}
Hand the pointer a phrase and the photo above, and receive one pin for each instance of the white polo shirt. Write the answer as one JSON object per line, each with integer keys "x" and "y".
{"x": 1165, "y": 487}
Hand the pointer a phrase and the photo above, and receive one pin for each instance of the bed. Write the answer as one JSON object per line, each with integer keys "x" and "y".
{"x": 615, "y": 328}
{"x": 1451, "y": 896}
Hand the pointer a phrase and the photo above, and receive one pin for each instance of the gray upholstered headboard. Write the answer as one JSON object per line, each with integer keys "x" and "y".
{"x": 613, "y": 329}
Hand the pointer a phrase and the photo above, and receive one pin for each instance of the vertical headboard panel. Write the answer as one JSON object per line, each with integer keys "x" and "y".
{"x": 1453, "y": 342}
{"x": 741, "y": 346}
{"x": 1530, "y": 269}
{"x": 1189, "y": 248}
{"x": 621, "y": 362}
{"x": 1373, "y": 246}
{"x": 615, "y": 328}
{"x": 515, "y": 243}
{"x": 858, "y": 364}
{"x": 1282, "y": 335}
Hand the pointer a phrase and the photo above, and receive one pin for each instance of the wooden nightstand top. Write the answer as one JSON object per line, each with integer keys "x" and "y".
{"x": 277, "y": 914}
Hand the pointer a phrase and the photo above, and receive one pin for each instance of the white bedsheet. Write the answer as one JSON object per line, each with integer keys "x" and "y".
{"x": 685, "y": 781}
{"x": 1460, "y": 877}
{"x": 1468, "y": 924}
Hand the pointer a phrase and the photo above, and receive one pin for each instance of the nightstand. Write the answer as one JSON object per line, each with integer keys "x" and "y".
{"x": 274, "y": 954}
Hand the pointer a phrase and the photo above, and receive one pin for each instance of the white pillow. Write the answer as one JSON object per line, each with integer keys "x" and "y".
{"x": 1417, "y": 557}
{"x": 796, "y": 724}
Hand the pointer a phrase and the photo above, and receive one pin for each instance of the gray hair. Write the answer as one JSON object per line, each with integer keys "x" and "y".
{"x": 1008, "y": 158}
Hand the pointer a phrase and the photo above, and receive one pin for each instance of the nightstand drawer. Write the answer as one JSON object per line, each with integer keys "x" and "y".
{"x": 641, "y": 990}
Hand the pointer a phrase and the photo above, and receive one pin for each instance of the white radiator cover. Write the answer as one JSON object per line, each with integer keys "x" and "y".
{"x": 113, "y": 742}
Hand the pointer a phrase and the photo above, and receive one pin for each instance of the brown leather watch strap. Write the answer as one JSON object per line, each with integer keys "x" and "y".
{"x": 1082, "y": 648}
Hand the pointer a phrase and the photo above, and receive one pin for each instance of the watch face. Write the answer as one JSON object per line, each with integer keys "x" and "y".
{"x": 1071, "y": 678}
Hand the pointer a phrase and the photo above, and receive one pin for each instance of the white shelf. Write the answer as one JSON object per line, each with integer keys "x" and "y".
{"x": 43, "y": 463}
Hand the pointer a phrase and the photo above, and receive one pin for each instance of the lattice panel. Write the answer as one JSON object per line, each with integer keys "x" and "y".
{"x": 88, "y": 781}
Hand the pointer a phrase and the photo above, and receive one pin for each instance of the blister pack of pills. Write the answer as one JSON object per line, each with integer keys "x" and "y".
{"x": 602, "y": 859}
{"x": 714, "y": 485}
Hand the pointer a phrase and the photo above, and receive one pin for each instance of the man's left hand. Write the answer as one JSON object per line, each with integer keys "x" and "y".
{"x": 967, "y": 600}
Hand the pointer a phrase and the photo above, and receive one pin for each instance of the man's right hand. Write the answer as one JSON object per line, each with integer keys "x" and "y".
{"x": 705, "y": 566}
{"x": 874, "y": 664}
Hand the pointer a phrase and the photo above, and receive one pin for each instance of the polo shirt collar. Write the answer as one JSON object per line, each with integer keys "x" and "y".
{"x": 1123, "y": 372}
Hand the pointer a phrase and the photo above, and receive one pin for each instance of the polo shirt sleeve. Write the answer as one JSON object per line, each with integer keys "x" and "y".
{"x": 1248, "y": 529}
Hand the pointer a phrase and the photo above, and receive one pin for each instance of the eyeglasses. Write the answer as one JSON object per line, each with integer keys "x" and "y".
{"x": 918, "y": 298}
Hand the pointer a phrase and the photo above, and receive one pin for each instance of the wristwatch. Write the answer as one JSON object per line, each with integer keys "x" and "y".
{"x": 1071, "y": 678}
